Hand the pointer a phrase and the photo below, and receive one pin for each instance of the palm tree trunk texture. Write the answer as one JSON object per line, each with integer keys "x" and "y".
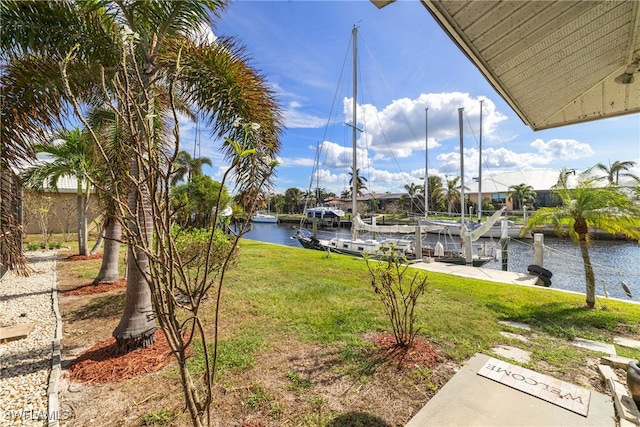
{"x": 590, "y": 277}
{"x": 137, "y": 324}
{"x": 110, "y": 259}
{"x": 83, "y": 238}
{"x": 94, "y": 250}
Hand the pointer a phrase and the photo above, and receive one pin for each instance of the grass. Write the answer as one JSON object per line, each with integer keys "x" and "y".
{"x": 160, "y": 418}
{"x": 233, "y": 354}
{"x": 297, "y": 382}
{"x": 329, "y": 299}
{"x": 279, "y": 302}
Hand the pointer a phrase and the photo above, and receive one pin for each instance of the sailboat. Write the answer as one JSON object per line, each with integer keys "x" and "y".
{"x": 355, "y": 245}
{"x": 262, "y": 217}
{"x": 468, "y": 233}
{"x": 497, "y": 228}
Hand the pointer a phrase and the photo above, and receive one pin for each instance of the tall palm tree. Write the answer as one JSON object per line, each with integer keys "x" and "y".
{"x": 100, "y": 44}
{"x": 586, "y": 205}
{"x": 615, "y": 170}
{"x": 11, "y": 255}
{"x": 452, "y": 193}
{"x": 522, "y": 195}
{"x": 110, "y": 185}
{"x": 412, "y": 190}
{"x": 436, "y": 192}
{"x": 293, "y": 196}
{"x": 188, "y": 166}
{"x": 73, "y": 155}
{"x": 360, "y": 182}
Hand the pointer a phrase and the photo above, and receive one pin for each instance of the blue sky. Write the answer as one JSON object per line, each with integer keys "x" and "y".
{"x": 407, "y": 64}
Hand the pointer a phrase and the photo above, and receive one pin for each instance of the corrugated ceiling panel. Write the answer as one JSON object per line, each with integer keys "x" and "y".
{"x": 533, "y": 21}
{"x": 553, "y": 61}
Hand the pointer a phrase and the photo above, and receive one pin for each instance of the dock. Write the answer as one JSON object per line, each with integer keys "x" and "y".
{"x": 478, "y": 273}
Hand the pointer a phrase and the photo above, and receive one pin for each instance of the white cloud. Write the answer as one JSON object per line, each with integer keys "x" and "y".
{"x": 203, "y": 33}
{"x": 295, "y": 119}
{"x": 292, "y": 162}
{"x": 336, "y": 156}
{"x": 562, "y": 148}
{"x": 494, "y": 160}
{"x": 400, "y": 128}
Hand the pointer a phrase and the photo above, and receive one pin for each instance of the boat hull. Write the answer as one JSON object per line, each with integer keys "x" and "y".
{"x": 264, "y": 219}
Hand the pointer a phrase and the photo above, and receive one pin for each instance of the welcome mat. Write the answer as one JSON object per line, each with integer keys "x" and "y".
{"x": 563, "y": 394}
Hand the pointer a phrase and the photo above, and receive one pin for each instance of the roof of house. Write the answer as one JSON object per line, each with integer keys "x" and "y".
{"x": 67, "y": 184}
{"x": 554, "y": 62}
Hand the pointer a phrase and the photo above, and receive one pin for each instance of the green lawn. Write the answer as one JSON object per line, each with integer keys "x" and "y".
{"x": 324, "y": 299}
{"x": 295, "y": 322}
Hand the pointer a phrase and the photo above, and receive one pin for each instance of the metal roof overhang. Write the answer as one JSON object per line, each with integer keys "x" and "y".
{"x": 554, "y": 62}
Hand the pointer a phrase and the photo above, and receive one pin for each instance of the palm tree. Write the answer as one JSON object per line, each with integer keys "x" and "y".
{"x": 586, "y": 205}
{"x": 360, "y": 182}
{"x": 11, "y": 255}
{"x": 293, "y": 196}
{"x": 110, "y": 187}
{"x": 73, "y": 155}
{"x": 321, "y": 195}
{"x": 412, "y": 190}
{"x": 436, "y": 192}
{"x": 189, "y": 166}
{"x": 522, "y": 195}
{"x": 452, "y": 193}
{"x": 87, "y": 38}
{"x": 615, "y": 170}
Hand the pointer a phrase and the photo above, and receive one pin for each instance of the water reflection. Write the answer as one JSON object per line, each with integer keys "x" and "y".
{"x": 614, "y": 261}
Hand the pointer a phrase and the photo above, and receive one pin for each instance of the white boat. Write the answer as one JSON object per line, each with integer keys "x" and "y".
{"x": 411, "y": 246}
{"x": 513, "y": 230}
{"x": 325, "y": 215}
{"x": 355, "y": 245}
{"x": 264, "y": 218}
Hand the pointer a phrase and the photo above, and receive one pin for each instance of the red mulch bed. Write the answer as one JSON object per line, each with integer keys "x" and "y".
{"x": 98, "y": 365}
{"x": 90, "y": 288}
{"x": 82, "y": 257}
{"x": 420, "y": 354}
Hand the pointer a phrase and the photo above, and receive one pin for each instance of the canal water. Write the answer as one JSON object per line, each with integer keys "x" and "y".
{"x": 614, "y": 261}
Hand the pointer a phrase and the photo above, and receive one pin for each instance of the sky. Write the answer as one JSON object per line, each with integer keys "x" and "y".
{"x": 406, "y": 65}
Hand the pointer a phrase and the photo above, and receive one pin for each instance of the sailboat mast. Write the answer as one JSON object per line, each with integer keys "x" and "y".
{"x": 480, "y": 167}
{"x": 426, "y": 164}
{"x": 354, "y": 178}
{"x": 460, "y": 111}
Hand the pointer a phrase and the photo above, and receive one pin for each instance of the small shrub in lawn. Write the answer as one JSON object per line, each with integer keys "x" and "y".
{"x": 398, "y": 292}
{"x": 32, "y": 246}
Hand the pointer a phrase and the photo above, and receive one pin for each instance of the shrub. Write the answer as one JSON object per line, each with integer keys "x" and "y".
{"x": 398, "y": 293}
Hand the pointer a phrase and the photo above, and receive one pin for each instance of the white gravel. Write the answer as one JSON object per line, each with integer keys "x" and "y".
{"x": 26, "y": 364}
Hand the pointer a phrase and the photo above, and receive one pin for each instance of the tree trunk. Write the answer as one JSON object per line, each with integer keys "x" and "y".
{"x": 588, "y": 273}
{"x": 94, "y": 250}
{"x": 110, "y": 259}
{"x": 83, "y": 239}
{"x": 137, "y": 324}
